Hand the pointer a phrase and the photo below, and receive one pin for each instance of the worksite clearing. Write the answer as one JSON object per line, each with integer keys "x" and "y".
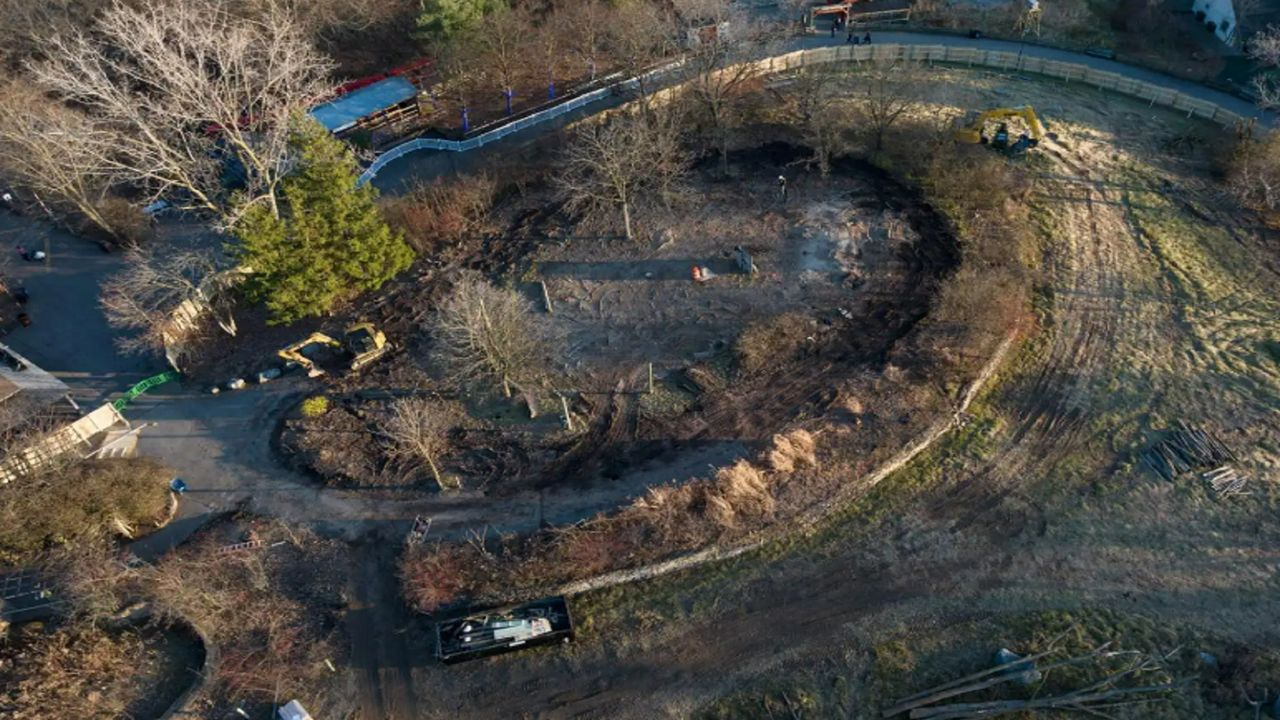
{"x": 839, "y": 253}
{"x": 929, "y": 435}
{"x": 1154, "y": 306}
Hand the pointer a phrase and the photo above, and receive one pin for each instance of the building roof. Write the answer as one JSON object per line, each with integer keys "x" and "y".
{"x": 342, "y": 113}
{"x": 19, "y": 375}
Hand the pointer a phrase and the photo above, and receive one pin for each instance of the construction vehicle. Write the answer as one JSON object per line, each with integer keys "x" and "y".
{"x": 475, "y": 635}
{"x": 362, "y": 344}
{"x": 973, "y": 129}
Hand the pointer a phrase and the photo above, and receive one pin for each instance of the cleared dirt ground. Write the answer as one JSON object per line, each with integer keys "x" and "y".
{"x": 1158, "y": 304}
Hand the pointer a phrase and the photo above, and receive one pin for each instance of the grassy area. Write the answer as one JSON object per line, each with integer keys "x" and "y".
{"x": 857, "y": 682}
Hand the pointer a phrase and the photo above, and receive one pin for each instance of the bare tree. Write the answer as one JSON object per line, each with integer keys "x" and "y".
{"x": 723, "y": 39}
{"x": 886, "y": 89}
{"x": 505, "y": 46}
{"x": 819, "y": 113}
{"x": 1254, "y": 173}
{"x": 27, "y": 23}
{"x": 585, "y": 26}
{"x": 462, "y": 72}
{"x": 639, "y": 35}
{"x": 489, "y": 333}
{"x": 417, "y": 429}
{"x": 551, "y": 47}
{"x": 145, "y": 296}
{"x": 613, "y": 163}
{"x": 175, "y": 89}
{"x": 48, "y": 148}
{"x": 1263, "y": 46}
{"x": 329, "y": 20}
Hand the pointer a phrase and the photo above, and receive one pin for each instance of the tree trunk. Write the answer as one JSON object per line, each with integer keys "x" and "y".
{"x": 626, "y": 219}
{"x": 435, "y": 472}
{"x": 228, "y": 325}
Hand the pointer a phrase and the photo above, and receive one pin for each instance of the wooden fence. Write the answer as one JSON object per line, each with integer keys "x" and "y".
{"x": 1008, "y": 62}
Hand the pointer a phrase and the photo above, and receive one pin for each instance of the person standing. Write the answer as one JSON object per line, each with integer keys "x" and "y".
{"x": 782, "y": 188}
{"x": 851, "y": 38}
{"x": 866, "y": 39}
{"x": 834, "y": 24}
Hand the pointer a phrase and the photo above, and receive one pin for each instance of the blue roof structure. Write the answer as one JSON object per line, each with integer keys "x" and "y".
{"x": 349, "y": 109}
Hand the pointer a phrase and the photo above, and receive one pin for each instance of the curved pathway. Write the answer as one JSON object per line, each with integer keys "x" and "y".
{"x": 221, "y": 444}
{"x": 427, "y": 164}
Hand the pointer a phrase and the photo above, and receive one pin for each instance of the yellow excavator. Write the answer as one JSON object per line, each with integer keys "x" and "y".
{"x": 362, "y": 343}
{"x": 973, "y": 129}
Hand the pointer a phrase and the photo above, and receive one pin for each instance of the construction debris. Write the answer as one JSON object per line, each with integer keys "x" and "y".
{"x": 1226, "y": 482}
{"x": 1185, "y": 450}
{"x": 1091, "y": 697}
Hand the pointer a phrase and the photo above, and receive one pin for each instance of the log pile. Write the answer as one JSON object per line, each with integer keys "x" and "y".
{"x": 1185, "y": 450}
{"x": 1226, "y": 482}
{"x": 1124, "y": 678}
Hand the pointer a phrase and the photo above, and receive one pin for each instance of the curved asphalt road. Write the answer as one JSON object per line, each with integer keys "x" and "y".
{"x": 221, "y": 444}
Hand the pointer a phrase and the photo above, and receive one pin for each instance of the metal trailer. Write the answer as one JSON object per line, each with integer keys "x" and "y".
{"x": 489, "y": 632}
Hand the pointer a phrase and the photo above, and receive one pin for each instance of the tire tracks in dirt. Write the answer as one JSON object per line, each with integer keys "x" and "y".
{"x": 1051, "y": 408}
{"x": 377, "y": 623}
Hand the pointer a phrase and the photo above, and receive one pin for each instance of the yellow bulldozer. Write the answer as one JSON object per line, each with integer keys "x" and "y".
{"x": 972, "y": 129}
{"x": 361, "y": 344}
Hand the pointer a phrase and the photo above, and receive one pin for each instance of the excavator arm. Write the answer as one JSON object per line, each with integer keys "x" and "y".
{"x": 972, "y": 128}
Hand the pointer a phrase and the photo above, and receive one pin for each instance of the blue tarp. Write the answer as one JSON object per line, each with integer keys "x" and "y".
{"x": 350, "y": 108}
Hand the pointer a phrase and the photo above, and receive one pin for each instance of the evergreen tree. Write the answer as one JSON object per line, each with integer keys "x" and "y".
{"x": 443, "y": 20}
{"x": 329, "y": 243}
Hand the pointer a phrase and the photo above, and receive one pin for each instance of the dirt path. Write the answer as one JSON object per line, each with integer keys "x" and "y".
{"x": 377, "y": 623}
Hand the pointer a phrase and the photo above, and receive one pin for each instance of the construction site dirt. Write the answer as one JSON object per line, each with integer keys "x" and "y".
{"x": 852, "y": 259}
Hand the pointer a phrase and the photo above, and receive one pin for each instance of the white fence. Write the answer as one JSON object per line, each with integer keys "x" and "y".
{"x": 952, "y": 55}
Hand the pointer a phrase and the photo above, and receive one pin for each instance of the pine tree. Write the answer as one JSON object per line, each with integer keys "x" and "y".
{"x": 444, "y": 20}
{"x": 330, "y": 242}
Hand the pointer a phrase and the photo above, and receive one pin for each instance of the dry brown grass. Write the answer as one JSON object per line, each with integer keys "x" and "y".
{"x": 789, "y": 451}
{"x": 80, "y": 501}
{"x": 72, "y": 672}
{"x": 768, "y": 343}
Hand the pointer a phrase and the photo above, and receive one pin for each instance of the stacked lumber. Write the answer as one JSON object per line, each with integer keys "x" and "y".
{"x": 1185, "y": 450}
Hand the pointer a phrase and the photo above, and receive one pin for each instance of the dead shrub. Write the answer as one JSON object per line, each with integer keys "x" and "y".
{"x": 441, "y": 213}
{"x": 768, "y": 343}
{"x": 79, "y": 671}
{"x": 744, "y": 489}
{"x": 1253, "y": 174}
{"x": 435, "y": 577}
{"x": 792, "y": 450}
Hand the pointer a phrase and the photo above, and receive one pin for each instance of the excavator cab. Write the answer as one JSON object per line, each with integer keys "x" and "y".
{"x": 365, "y": 344}
{"x": 972, "y": 129}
